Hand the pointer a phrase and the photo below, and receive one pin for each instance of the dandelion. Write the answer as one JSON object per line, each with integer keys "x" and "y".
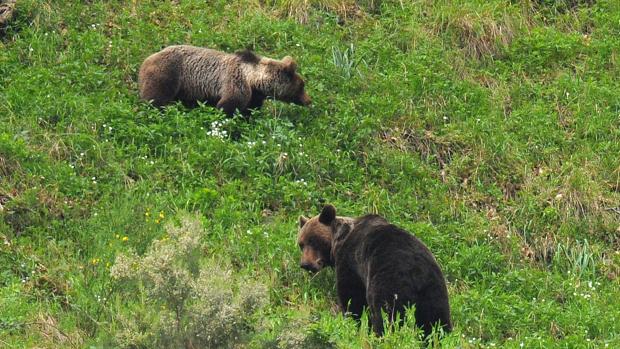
{"x": 161, "y": 214}
{"x": 95, "y": 261}
{"x": 125, "y": 238}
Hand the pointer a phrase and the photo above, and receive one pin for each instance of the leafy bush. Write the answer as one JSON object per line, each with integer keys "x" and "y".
{"x": 187, "y": 304}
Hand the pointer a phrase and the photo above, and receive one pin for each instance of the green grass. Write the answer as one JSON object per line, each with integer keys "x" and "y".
{"x": 490, "y": 129}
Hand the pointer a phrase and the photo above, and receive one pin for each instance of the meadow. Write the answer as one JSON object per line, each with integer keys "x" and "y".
{"x": 489, "y": 129}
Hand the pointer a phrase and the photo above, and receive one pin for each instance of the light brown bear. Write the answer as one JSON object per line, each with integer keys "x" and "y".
{"x": 378, "y": 265}
{"x": 242, "y": 80}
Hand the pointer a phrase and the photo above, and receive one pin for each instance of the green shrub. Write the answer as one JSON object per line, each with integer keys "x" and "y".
{"x": 186, "y": 303}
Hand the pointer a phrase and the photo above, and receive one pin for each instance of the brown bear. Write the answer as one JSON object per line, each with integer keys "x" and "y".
{"x": 378, "y": 266}
{"x": 242, "y": 80}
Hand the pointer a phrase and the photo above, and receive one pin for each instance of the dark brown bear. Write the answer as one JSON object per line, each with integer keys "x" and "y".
{"x": 378, "y": 266}
{"x": 228, "y": 81}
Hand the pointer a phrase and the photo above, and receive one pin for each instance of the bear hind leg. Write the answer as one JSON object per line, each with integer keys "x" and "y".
{"x": 158, "y": 87}
{"x": 394, "y": 308}
{"x": 432, "y": 312}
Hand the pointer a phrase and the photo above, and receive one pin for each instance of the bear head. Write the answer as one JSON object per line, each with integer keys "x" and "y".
{"x": 316, "y": 235}
{"x": 288, "y": 85}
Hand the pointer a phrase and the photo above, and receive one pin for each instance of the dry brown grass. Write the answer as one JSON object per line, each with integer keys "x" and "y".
{"x": 53, "y": 335}
{"x": 481, "y": 34}
{"x": 429, "y": 145}
{"x": 300, "y": 9}
{"x": 575, "y": 193}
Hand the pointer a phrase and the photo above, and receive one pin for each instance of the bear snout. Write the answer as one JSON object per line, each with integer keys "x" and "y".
{"x": 312, "y": 267}
{"x": 305, "y": 100}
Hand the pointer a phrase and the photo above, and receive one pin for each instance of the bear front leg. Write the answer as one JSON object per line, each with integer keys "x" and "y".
{"x": 230, "y": 104}
{"x": 351, "y": 293}
{"x": 234, "y": 96}
{"x": 257, "y": 100}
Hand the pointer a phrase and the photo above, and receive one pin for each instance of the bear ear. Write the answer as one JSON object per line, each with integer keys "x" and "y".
{"x": 289, "y": 64}
{"x": 328, "y": 214}
{"x": 248, "y": 56}
{"x": 302, "y": 221}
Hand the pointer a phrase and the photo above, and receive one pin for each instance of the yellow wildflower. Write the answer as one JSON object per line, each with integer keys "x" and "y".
{"x": 161, "y": 214}
{"x": 125, "y": 238}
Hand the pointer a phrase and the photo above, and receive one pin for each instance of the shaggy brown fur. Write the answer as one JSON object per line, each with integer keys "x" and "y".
{"x": 7, "y": 10}
{"x": 242, "y": 80}
{"x": 378, "y": 266}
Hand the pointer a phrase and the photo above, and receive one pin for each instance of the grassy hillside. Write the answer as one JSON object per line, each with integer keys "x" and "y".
{"x": 490, "y": 129}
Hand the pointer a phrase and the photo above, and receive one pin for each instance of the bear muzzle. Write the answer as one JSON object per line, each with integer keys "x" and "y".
{"x": 305, "y": 100}
{"x": 313, "y": 267}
